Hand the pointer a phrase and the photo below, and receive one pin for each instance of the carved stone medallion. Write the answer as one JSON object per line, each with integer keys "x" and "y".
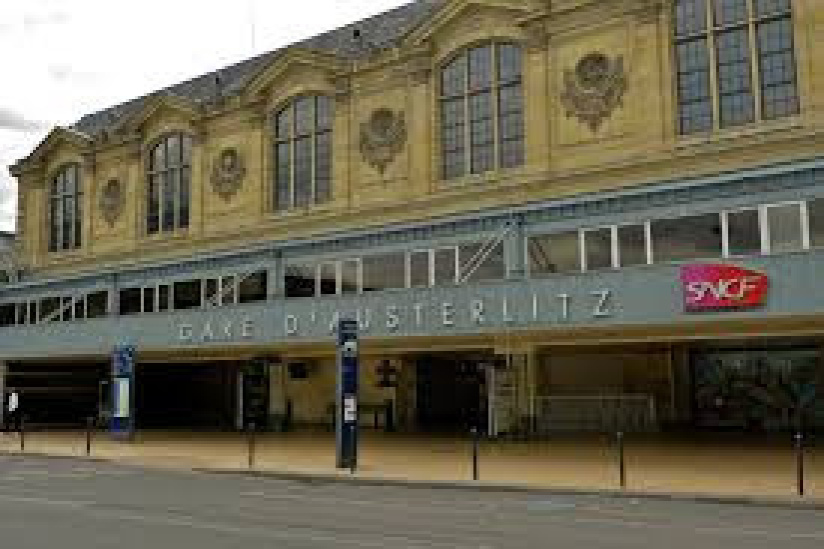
{"x": 594, "y": 89}
{"x": 228, "y": 172}
{"x": 111, "y": 200}
{"x": 382, "y": 138}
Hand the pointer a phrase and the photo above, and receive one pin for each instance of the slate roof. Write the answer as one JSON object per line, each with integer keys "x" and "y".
{"x": 379, "y": 32}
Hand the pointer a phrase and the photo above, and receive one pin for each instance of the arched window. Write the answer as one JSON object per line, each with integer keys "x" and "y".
{"x": 65, "y": 209}
{"x": 303, "y": 152}
{"x": 168, "y": 197}
{"x": 482, "y": 115}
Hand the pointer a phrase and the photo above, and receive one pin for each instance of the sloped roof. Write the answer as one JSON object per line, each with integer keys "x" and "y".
{"x": 379, "y": 32}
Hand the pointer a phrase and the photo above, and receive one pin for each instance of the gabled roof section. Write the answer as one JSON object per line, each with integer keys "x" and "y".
{"x": 154, "y": 104}
{"x": 295, "y": 57}
{"x": 376, "y": 33}
{"x": 452, "y": 9}
{"x": 55, "y": 138}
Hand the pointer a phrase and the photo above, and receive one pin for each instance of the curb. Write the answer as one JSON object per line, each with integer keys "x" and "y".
{"x": 464, "y": 485}
{"x": 480, "y": 486}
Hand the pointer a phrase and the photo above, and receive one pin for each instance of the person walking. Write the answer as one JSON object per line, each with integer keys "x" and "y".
{"x": 12, "y": 415}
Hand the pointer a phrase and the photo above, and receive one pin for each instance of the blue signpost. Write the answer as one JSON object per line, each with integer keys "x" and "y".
{"x": 346, "y": 415}
{"x": 122, "y": 413}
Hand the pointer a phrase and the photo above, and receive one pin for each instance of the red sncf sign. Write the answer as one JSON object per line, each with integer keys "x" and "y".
{"x": 718, "y": 286}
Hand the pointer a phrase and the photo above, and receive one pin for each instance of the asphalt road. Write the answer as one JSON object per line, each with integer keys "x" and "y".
{"x": 68, "y": 504}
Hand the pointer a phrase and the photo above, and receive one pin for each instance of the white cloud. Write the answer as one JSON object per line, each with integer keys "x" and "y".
{"x": 72, "y": 57}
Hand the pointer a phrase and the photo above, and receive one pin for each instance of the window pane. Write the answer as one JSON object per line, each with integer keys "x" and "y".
{"x": 328, "y": 279}
{"x": 509, "y": 63}
{"x": 304, "y": 116}
{"x": 187, "y": 294}
{"x": 690, "y": 17}
{"x": 815, "y": 210}
{"x": 598, "y": 248}
{"x": 8, "y": 314}
{"x": 419, "y": 274}
{"x": 480, "y": 68}
{"x": 283, "y": 176}
{"x": 778, "y": 71}
{"x": 767, "y": 7}
{"x": 445, "y": 265}
{"x": 303, "y": 171}
{"x": 349, "y": 283}
{"x": 785, "y": 228}
{"x": 744, "y": 232}
{"x": 169, "y": 186}
{"x": 184, "y": 198}
{"x": 283, "y": 124}
{"x": 253, "y": 287}
{"x": 695, "y": 105}
{"x": 632, "y": 249}
{"x": 382, "y": 272}
{"x": 130, "y": 301}
{"x": 482, "y": 133}
{"x": 300, "y": 280}
{"x": 554, "y": 253}
{"x": 323, "y": 167}
{"x": 453, "y": 77}
{"x": 478, "y": 262}
{"x": 228, "y": 290}
{"x": 684, "y": 238}
{"x": 730, "y": 11}
{"x": 163, "y": 297}
{"x": 734, "y": 77}
{"x": 149, "y": 299}
{"x": 97, "y": 304}
{"x": 324, "y": 113}
{"x": 153, "y": 207}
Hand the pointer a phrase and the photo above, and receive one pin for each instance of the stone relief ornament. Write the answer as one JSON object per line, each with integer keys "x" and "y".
{"x": 382, "y": 137}
{"x": 228, "y": 172}
{"x": 594, "y": 89}
{"x": 111, "y": 200}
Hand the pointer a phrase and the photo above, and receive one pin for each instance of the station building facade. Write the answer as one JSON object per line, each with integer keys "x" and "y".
{"x": 568, "y": 215}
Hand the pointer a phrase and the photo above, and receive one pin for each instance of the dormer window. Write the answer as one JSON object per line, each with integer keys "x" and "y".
{"x": 168, "y": 199}
{"x": 65, "y": 209}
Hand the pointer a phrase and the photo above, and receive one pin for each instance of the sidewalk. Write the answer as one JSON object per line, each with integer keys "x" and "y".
{"x": 735, "y": 467}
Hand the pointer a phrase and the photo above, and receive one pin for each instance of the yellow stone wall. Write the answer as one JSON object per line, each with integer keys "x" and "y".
{"x": 638, "y": 143}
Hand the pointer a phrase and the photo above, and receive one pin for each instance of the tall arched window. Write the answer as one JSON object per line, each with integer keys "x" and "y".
{"x": 303, "y": 152}
{"x": 65, "y": 209}
{"x": 168, "y": 192}
{"x": 482, "y": 114}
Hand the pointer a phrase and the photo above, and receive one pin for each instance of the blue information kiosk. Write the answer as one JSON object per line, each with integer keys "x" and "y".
{"x": 122, "y": 425}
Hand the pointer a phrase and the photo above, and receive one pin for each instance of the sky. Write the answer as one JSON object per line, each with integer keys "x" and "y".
{"x": 61, "y": 59}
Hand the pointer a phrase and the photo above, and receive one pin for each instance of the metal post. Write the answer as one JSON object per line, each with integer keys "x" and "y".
{"x": 799, "y": 459}
{"x": 251, "y": 445}
{"x": 622, "y": 468}
{"x": 475, "y": 448}
{"x": 22, "y": 429}
{"x": 89, "y": 428}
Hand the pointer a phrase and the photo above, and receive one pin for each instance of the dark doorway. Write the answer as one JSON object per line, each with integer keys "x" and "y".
{"x": 186, "y": 396}
{"x": 451, "y": 394}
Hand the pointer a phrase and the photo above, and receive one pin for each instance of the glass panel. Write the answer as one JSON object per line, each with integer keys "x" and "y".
{"x": 695, "y": 105}
{"x": 303, "y": 171}
{"x": 186, "y": 150}
{"x": 684, "y": 238}
{"x": 184, "y": 198}
{"x": 187, "y": 294}
{"x": 328, "y": 278}
{"x": 598, "y": 248}
{"x": 228, "y": 290}
{"x": 304, "y": 115}
{"x": 300, "y": 280}
{"x": 785, "y": 228}
{"x": 744, "y": 232}
{"x": 778, "y": 70}
{"x": 509, "y": 63}
{"x": 767, "y": 7}
{"x": 730, "y": 11}
{"x": 211, "y": 291}
{"x": 130, "y": 301}
{"x": 283, "y": 124}
{"x": 492, "y": 267}
{"x": 80, "y": 308}
{"x": 419, "y": 274}
{"x": 98, "y": 304}
{"x": 482, "y": 133}
{"x": 68, "y": 309}
{"x": 453, "y": 77}
{"x": 149, "y": 299}
{"x": 68, "y": 223}
{"x": 163, "y": 297}
{"x": 383, "y": 272}
{"x": 159, "y": 156}
{"x": 323, "y": 167}
{"x": 632, "y": 248}
{"x": 22, "y": 313}
{"x": 283, "y": 176}
{"x": 48, "y": 306}
{"x": 173, "y": 151}
{"x": 324, "y": 113}
{"x": 253, "y": 288}
{"x": 8, "y": 314}
{"x": 690, "y": 17}
{"x": 445, "y": 266}
{"x": 349, "y": 272}
{"x": 815, "y": 210}
{"x": 453, "y": 137}
{"x": 554, "y": 253}
{"x": 734, "y": 77}
{"x": 511, "y": 126}
{"x": 480, "y": 68}
{"x": 169, "y": 185}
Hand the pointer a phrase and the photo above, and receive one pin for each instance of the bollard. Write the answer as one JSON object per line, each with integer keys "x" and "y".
{"x": 622, "y": 468}
{"x": 89, "y": 428}
{"x": 251, "y": 445}
{"x": 799, "y": 460}
{"x": 475, "y": 448}
{"x": 22, "y": 430}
